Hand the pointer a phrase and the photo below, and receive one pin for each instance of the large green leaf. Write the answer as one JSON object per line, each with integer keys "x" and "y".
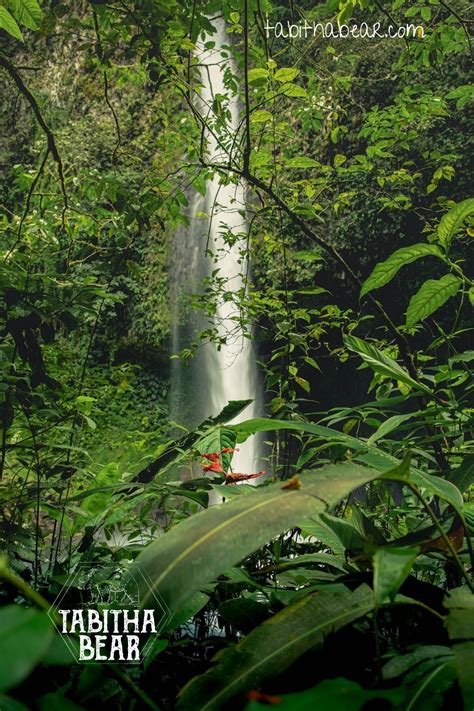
{"x": 391, "y": 567}
{"x": 430, "y": 297}
{"x": 460, "y": 621}
{"x": 8, "y": 23}
{"x": 336, "y": 533}
{"x": 401, "y": 664}
{"x": 460, "y": 626}
{"x": 452, "y": 221}
{"x": 464, "y": 666}
{"x": 385, "y": 271}
{"x": 25, "y": 634}
{"x": 262, "y": 424}
{"x": 389, "y": 425}
{"x": 274, "y": 646}
{"x": 382, "y": 363}
{"x": 26, "y": 12}
{"x": 198, "y": 549}
{"x": 216, "y": 440}
{"x": 389, "y": 466}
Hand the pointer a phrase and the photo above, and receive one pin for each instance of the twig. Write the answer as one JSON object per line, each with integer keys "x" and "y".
{"x": 246, "y": 157}
{"x": 52, "y": 146}
{"x": 28, "y": 202}
{"x": 462, "y": 23}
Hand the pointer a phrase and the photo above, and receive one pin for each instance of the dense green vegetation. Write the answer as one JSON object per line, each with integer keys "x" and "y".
{"x": 342, "y": 580}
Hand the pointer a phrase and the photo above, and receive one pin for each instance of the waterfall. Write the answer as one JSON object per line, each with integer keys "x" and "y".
{"x": 215, "y": 240}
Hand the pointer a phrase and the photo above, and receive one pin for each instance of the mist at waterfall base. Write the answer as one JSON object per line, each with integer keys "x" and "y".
{"x": 213, "y": 377}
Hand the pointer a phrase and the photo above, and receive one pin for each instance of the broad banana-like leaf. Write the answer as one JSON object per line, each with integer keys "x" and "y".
{"x": 197, "y": 550}
{"x": 391, "y": 567}
{"x": 273, "y": 646}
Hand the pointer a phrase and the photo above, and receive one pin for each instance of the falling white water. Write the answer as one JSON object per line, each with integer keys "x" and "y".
{"x": 230, "y": 373}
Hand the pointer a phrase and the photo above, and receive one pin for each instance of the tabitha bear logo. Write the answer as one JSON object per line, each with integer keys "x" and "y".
{"x": 100, "y": 617}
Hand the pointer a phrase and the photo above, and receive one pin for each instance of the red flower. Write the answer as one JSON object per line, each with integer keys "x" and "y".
{"x": 214, "y": 458}
{"x": 265, "y": 698}
{"x": 214, "y": 467}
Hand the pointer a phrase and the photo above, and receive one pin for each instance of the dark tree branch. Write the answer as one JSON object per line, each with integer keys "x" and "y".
{"x": 247, "y": 149}
{"x": 28, "y": 202}
{"x": 52, "y": 146}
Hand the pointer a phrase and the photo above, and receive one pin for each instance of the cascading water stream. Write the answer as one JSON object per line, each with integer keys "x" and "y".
{"x": 215, "y": 376}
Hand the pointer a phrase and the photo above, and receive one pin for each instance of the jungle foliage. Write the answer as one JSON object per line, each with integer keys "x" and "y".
{"x": 343, "y": 579}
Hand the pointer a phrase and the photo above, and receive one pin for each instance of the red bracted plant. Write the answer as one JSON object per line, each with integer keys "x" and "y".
{"x": 215, "y": 460}
{"x": 215, "y": 465}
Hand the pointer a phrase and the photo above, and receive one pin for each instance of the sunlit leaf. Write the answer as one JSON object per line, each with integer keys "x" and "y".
{"x": 452, "y": 221}
{"x": 384, "y": 272}
{"x": 8, "y": 23}
{"x": 382, "y": 363}
{"x": 26, "y": 12}
{"x": 430, "y": 297}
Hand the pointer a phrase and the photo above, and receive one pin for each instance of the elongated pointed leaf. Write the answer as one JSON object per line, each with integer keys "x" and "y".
{"x": 401, "y": 664}
{"x": 27, "y": 12}
{"x": 262, "y": 424}
{"x": 430, "y": 297}
{"x": 382, "y": 363}
{"x": 463, "y": 666}
{"x": 391, "y": 567}
{"x": 391, "y": 424}
{"x": 8, "y": 23}
{"x": 200, "y": 548}
{"x": 384, "y": 272}
{"x": 274, "y": 646}
{"x": 336, "y": 533}
{"x": 389, "y": 466}
{"x": 452, "y": 221}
